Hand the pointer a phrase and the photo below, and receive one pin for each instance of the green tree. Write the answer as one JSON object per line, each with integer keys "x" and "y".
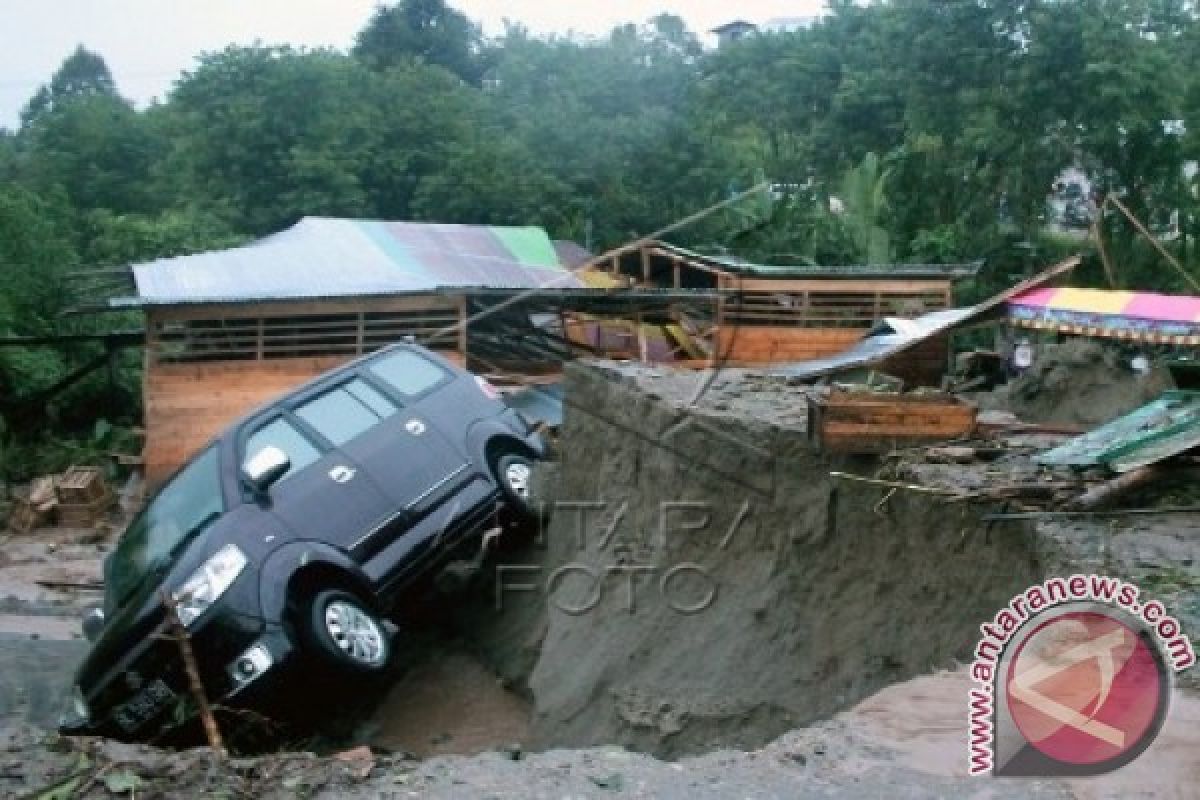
{"x": 264, "y": 136}
{"x": 425, "y": 31}
{"x": 82, "y": 74}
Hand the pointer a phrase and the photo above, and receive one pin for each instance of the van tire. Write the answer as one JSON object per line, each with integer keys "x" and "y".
{"x": 345, "y": 633}
{"x": 514, "y": 475}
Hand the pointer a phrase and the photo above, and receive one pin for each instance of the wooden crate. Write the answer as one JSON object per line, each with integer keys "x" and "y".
{"x": 83, "y": 497}
{"x": 82, "y": 486}
{"x": 868, "y": 422}
{"x": 85, "y": 515}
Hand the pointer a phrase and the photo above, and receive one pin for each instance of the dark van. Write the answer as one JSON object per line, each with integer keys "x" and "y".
{"x": 291, "y": 535}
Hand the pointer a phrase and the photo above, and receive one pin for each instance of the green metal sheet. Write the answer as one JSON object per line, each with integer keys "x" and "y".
{"x": 1159, "y": 430}
{"x": 530, "y": 246}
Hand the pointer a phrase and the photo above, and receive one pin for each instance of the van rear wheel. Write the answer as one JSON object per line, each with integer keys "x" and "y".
{"x": 345, "y": 632}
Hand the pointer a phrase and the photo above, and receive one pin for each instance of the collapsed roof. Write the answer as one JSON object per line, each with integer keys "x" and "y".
{"x": 894, "y": 336}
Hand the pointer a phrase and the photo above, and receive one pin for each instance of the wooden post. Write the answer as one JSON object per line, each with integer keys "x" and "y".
{"x": 643, "y": 347}
{"x": 1152, "y": 239}
{"x": 1100, "y": 495}
{"x": 1109, "y": 273}
{"x": 179, "y": 633}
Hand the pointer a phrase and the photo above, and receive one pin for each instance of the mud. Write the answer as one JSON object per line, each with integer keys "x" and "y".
{"x": 903, "y": 742}
{"x": 703, "y": 587}
{"x": 821, "y": 592}
{"x": 1080, "y": 382}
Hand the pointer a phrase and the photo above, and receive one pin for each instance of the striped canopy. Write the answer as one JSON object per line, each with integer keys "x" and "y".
{"x": 1134, "y": 316}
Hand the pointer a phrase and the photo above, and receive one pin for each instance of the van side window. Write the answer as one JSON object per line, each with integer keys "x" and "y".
{"x": 282, "y": 434}
{"x": 346, "y": 412}
{"x": 408, "y": 373}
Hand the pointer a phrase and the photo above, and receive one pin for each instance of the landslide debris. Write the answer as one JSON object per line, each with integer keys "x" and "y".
{"x": 1080, "y": 382}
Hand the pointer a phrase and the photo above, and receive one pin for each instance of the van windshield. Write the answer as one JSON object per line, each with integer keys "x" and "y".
{"x": 185, "y": 506}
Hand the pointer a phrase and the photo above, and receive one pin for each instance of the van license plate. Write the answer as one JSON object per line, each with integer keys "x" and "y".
{"x": 144, "y": 706}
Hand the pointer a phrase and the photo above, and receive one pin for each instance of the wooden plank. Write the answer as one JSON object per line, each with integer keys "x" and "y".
{"x": 836, "y": 285}
{"x": 753, "y": 344}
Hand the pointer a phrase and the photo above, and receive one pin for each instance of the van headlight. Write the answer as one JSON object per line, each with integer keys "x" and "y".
{"x": 208, "y": 583}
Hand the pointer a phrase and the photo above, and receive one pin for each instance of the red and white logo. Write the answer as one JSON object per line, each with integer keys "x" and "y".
{"x": 1084, "y": 689}
{"x": 1073, "y": 678}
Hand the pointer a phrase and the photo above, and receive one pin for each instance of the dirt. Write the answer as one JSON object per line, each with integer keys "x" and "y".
{"x": 905, "y": 742}
{"x": 806, "y": 639}
{"x": 1079, "y": 382}
{"x": 818, "y": 586}
{"x": 448, "y": 703}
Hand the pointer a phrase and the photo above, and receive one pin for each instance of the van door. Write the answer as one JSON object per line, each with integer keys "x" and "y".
{"x": 415, "y": 461}
{"x": 413, "y": 465}
{"x": 325, "y": 495}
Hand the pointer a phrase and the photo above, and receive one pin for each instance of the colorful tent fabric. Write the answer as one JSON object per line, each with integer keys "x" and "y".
{"x": 320, "y": 257}
{"x": 1135, "y": 316}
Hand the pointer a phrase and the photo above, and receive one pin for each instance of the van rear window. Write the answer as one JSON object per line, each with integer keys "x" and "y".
{"x": 346, "y": 412}
{"x": 408, "y": 373}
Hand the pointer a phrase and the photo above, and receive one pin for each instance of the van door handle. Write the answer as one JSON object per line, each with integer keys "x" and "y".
{"x": 342, "y": 474}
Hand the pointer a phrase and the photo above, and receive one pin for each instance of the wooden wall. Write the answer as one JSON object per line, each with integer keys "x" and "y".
{"x": 747, "y": 344}
{"x": 921, "y": 365}
{"x": 187, "y": 404}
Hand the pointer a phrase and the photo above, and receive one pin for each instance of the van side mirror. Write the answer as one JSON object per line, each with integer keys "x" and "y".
{"x": 264, "y": 469}
{"x": 93, "y": 623}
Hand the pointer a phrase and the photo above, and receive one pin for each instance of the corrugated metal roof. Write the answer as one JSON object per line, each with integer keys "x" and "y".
{"x": 320, "y": 257}
{"x": 1164, "y": 428}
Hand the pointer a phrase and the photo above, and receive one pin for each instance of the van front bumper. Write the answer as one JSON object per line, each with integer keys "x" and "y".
{"x": 238, "y": 656}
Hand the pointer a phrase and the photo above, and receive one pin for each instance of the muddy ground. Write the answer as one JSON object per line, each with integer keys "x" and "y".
{"x": 708, "y": 613}
{"x": 1078, "y": 382}
{"x": 904, "y": 742}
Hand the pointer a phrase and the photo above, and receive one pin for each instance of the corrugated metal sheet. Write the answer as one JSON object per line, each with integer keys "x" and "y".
{"x": 1156, "y": 431}
{"x": 892, "y": 336}
{"x": 896, "y": 335}
{"x": 320, "y": 257}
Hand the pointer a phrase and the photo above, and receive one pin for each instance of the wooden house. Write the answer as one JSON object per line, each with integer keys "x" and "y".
{"x": 770, "y": 314}
{"x": 227, "y": 331}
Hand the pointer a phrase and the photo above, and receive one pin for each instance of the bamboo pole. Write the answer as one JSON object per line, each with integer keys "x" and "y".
{"x": 912, "y": 487}
{"x": 1153, "y": 240}
{"x": 179, "y": 633}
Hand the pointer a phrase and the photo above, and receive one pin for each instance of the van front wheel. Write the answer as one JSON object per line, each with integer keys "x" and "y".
{"x": 347, "y": 633}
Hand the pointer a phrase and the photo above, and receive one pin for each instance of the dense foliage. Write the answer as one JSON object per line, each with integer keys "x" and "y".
{"x": 907, "y": 130}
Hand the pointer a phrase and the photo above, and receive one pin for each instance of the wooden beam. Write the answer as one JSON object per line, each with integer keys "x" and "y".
{"x": 840, "y": 286}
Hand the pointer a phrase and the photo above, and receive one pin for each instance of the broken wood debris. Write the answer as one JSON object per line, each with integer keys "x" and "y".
{"x": 78, "y": 498}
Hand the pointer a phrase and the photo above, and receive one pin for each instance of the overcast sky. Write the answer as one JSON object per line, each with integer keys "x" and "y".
{"x": 148, "y": 42}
